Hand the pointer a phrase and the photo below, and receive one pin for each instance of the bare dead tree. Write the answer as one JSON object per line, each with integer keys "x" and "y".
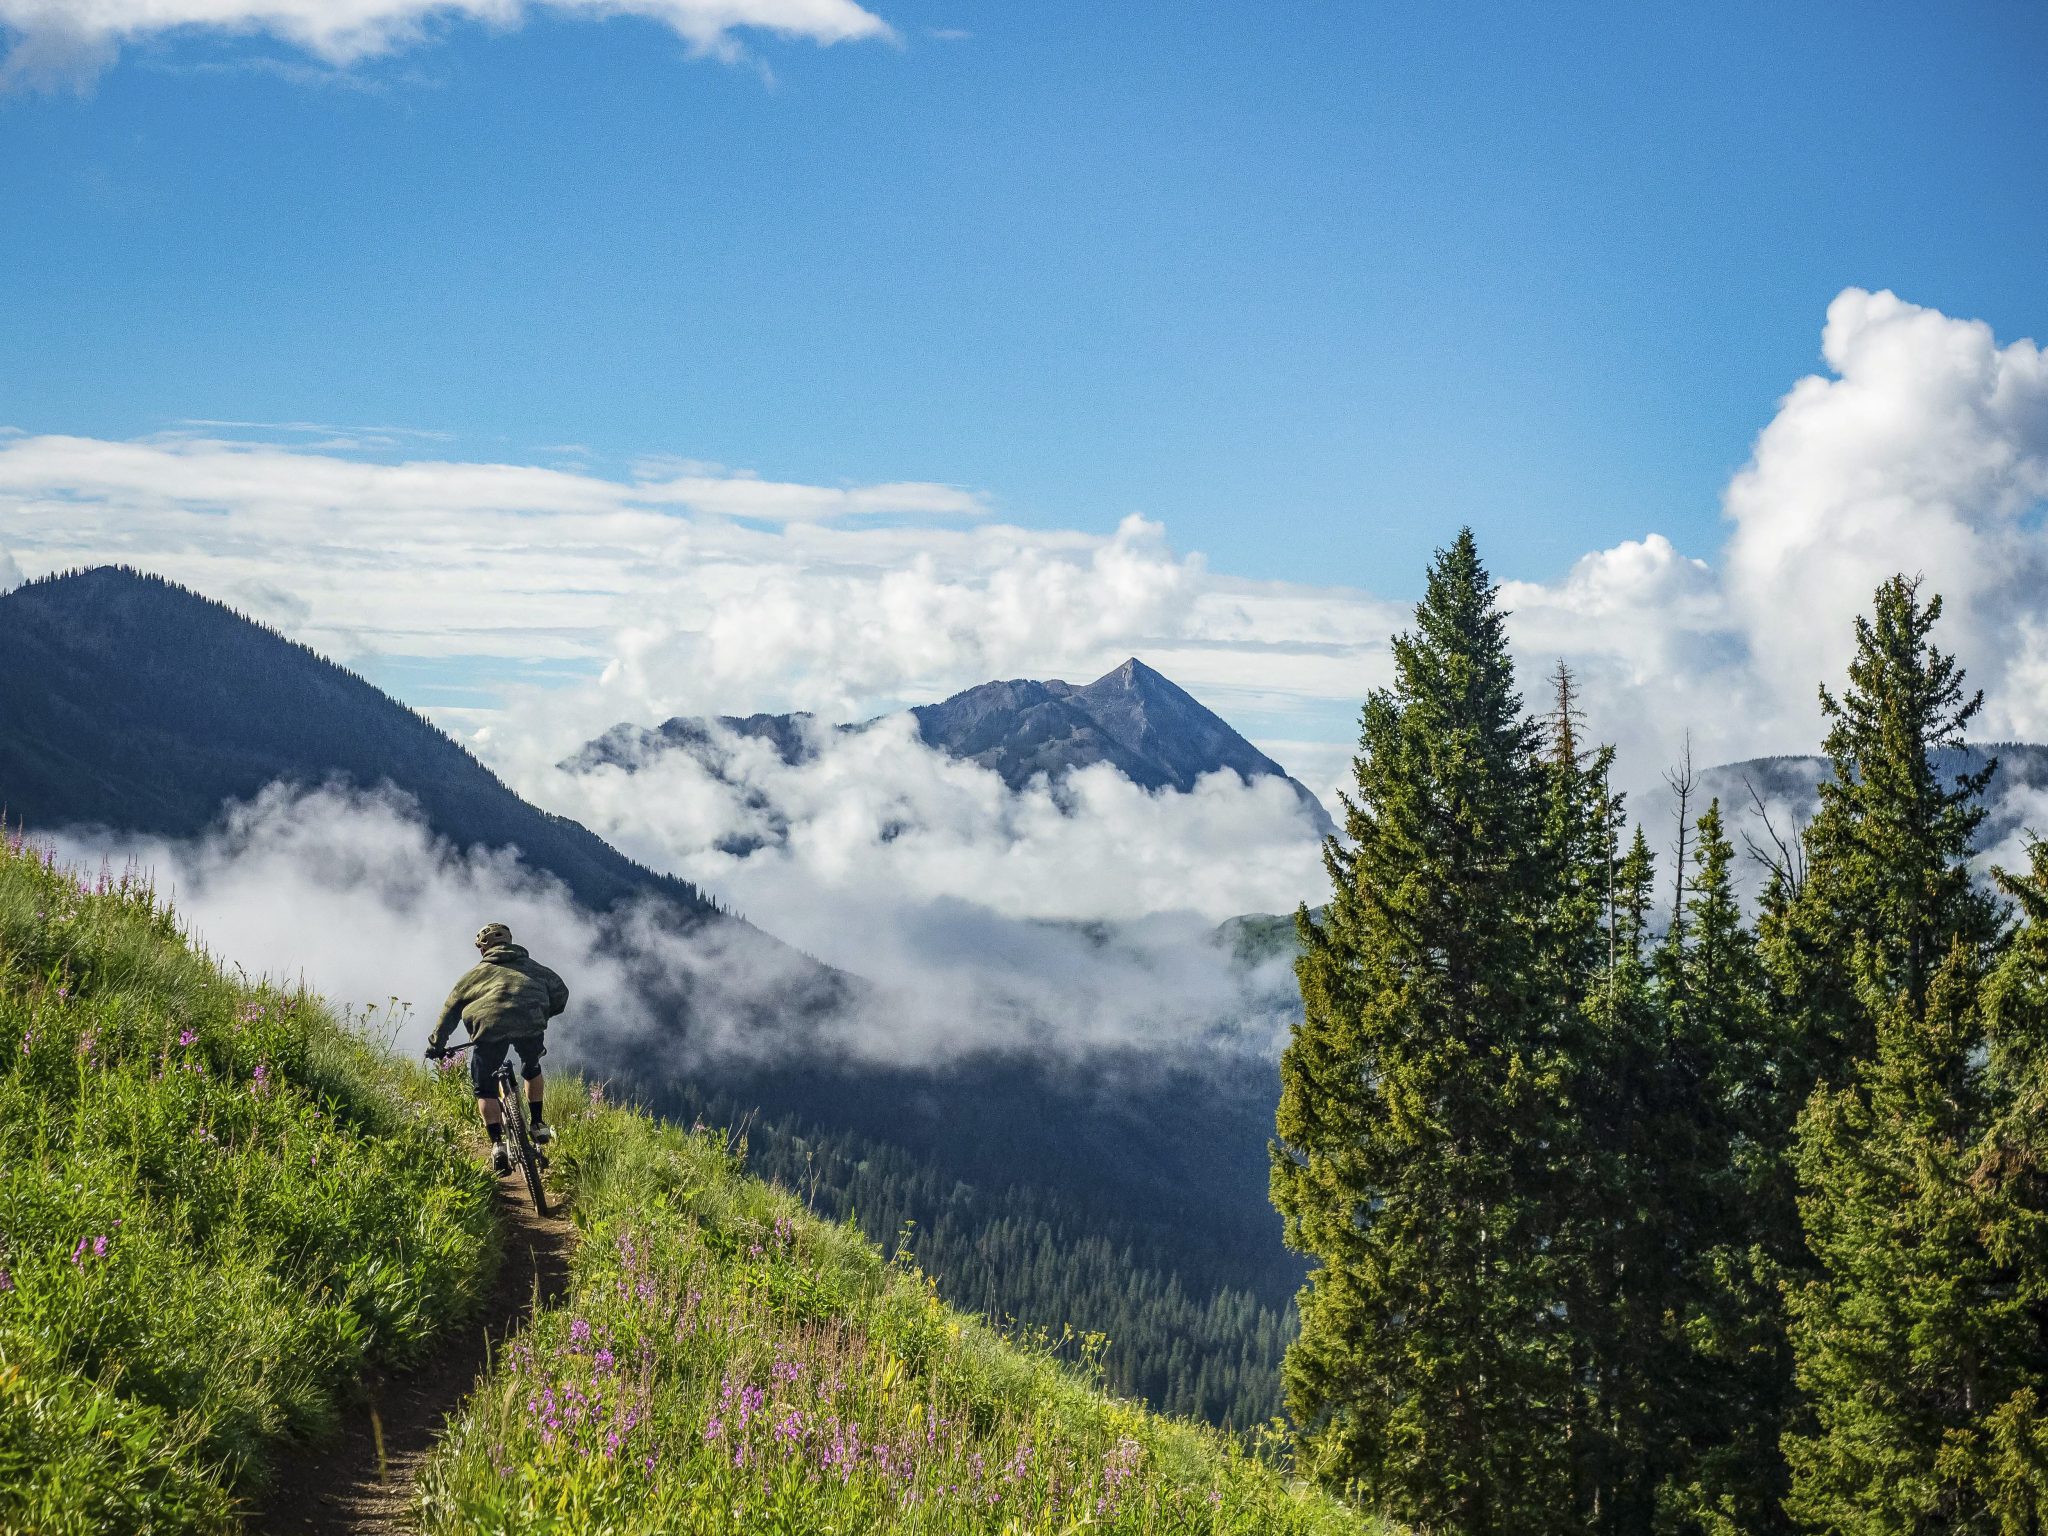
{"x": 1784, "y": 859}
{"x": 1683, "y": 783}
{"x": 1565, "y": 718}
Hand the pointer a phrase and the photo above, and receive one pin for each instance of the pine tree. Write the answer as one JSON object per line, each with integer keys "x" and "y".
{"x": 1886, "y": 886}
{"x": 1889, "y": 1338}
{"x": 1586, "y": 896}
{"x": 2013, "y": 1175}
{"x": 1730, "y": 1371}
{"x": 1882, "y": 952}
{"x": 1618, "y": 1128}
{"x": 1413, "y": 1156}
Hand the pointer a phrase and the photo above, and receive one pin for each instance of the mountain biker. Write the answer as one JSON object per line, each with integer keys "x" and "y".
{"x": 506, "y": 999}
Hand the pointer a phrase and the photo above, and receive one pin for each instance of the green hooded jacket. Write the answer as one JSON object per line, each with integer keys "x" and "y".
{"x": 507, "y": 995}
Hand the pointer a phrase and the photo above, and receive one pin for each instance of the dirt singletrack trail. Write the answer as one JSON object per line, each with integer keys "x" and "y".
{"x": 347, "y": 1486}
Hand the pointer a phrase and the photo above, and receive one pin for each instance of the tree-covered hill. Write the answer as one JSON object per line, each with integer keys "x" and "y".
{"x": 129, "y": 702}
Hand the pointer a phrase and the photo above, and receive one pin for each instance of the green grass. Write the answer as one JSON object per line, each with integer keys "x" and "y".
{"x": 217, "y": 1204}
{"x": 726, "y": 1362}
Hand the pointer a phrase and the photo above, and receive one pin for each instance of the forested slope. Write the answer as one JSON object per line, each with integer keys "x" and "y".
{"x": 129, "y": 702}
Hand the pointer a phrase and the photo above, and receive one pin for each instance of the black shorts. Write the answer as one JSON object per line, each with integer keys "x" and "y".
{"x": 489, "y": 1054}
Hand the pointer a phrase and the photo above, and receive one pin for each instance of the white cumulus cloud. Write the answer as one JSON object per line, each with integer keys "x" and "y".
{"x": 54, "y": 39}
{"x": 1921, "y": 445}
{"x": 677, "y": 591}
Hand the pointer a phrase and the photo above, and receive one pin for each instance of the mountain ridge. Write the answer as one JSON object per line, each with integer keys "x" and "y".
{"x": 130, "y": 701}
{"x": 1133, "y": 718}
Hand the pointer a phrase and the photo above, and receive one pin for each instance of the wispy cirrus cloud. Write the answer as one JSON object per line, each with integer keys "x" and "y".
{"x": 54, "y": 41}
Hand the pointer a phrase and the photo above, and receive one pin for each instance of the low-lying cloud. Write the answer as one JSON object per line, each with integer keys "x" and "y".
{"x": 878, "y": 820}
{"x": 66, "y": 40}
{"x": 351, "y": 894}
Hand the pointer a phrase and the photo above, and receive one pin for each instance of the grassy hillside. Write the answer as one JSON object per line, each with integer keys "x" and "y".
{"x": 216, "y": 1205}
{"x": 727, "y": 1361}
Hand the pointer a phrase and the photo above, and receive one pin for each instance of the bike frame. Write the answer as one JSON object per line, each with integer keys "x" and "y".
{"x": 512, "y": 1105}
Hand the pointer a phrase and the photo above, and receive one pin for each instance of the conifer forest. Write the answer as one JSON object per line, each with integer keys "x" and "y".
{"x": 1633, "y": 1210}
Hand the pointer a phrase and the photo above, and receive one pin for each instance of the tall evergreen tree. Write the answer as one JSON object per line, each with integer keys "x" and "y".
{"x": 1729, "y": 1374}
{"x": 1890, "y": 1338}
{"x": 1883, "y": 951}
{"x": 1586, "y": 886}
{"x": 2013, "y": 1175}
{"x": 1886, "y": 887}
{"x": 1615, "y": 1214}
{"x": 1413, "y": 1155}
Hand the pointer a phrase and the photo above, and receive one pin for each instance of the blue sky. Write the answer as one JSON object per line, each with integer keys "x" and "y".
{"x": 1311, "y": 284}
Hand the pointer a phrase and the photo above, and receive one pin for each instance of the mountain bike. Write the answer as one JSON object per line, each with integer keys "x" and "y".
{"x": 526, "y": 1157}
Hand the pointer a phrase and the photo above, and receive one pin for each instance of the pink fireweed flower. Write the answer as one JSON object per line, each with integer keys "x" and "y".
{"x": 6, "y": 1281}
{"x": 187, "y": 1036}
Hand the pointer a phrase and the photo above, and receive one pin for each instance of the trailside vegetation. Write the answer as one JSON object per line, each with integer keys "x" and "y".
{"x": 217, "y": 1205}
{"x": 1627, "y": 1216}
{"x": 727, "y": 1360}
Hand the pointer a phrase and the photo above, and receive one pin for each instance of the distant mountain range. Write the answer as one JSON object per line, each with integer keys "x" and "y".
{"x": 1134, "y": 719}
{"x": 1788, "y": 788}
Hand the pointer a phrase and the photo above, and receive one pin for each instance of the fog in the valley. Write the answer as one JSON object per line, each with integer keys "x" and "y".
{"x": 349, "y": 893}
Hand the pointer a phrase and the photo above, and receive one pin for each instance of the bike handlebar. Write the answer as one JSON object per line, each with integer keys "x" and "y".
{"x": 436, "y": 1052}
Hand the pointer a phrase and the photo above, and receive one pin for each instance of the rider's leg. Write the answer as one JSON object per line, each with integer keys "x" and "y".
{"x": 483, "y": 1081}
{"x": 530, "y": 1053}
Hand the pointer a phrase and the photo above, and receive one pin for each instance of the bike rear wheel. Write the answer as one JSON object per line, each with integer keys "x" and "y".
{"x": 527, "y": 1155}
